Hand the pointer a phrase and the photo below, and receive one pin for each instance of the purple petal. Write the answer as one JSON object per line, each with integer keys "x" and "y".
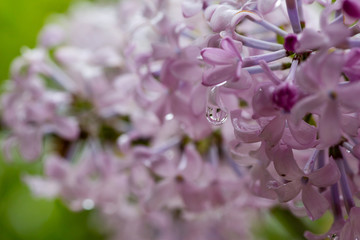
{"x": 285, "y": 164}
{"x": 244, "y": 131}
{"x": 306, "y": 105}
{"x": 266, "y": 6}
{"x": 231, "y": 46}
{"x": 191, "y": 8}
{"x": 191, "y": 164}
{"x": 30, "y": 142}
{"x": 325, "y": 176}
{"x": 330, "y": 127}
{"x": 219, "y": 74}
{"x": 310, "y": 39}
{"x": 288, "y": 191}
{"x": 303, "y": 132}
{"x": 67, "y": 128}
{"x": 273, "y": 132}
{"x": 315, "y": 203}
{"x": 186, "y": 70}
{"x": 348, "y": 95}
{"x": 217, "y": 56}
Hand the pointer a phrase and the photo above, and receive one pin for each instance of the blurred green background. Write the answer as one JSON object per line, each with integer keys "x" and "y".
{"x": 23, "y": 217}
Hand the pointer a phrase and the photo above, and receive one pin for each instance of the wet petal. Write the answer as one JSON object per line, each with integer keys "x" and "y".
{"x": 244, "y": 131}
{"x": 219, "y": 74}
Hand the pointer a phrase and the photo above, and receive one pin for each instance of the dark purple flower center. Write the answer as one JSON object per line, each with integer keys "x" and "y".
{"x": 285, "y": 97}
{"x": 304, "y": 180}
{"x": 291, "y": 42}
{"x": 352, "y": 8}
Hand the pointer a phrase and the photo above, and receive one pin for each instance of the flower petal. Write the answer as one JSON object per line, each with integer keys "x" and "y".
{"x": 303, "y": 132}
{"x": 330, "y": 127}
{"x": 273, "y": 131}
{"x": 219, "y": 74}
{"x": 285, "y": 164}
{"x": 325, "y": 176}
{"x": 288, "y": 191}
{"x": 315, "y": 203}
{"x": 217, "y": 56}
{"x": 244, "y": 131}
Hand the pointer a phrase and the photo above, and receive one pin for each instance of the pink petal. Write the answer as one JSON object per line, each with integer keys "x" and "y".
{"x": 315, "y": 203}
{"x": 239, "y": 16}
{"x": 325, "y": 176}
{"x": 195, "y": 199}
{"x": 162, "y": 193}
{"x": 303, "y": 132}
{"x": 331, "y": 69}
{"x": 330, "y": 127}
{"x": 288, "y": 191}
{"x": 198, "y": 100}
{"x": 350, "y": 125}
{"x": 273, "y": 131}
{"x": 232, "y": 47}
{"x": 191, "y": 165}
{"x": 57, "y": 168}
{"x": 30, "y": 142}
{"x": 285, "y": 164}
{"x": 310, "y": 39}
{"x": 243, "y": 130}
{"x": 219, "y": 74}
{"x": 244, "y": 82}
{"x": 306, "y": 105}
{"x": 217, "y": 56}
{"x": 186, "y": 70}
{"x": 191, "y": 8}
{"x": 67, "y": 128}
{"x": 348, "y": 95}
{"x": 266, "y": 6}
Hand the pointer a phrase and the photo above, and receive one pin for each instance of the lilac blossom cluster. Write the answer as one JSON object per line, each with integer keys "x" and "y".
{"x": 183, "y": 119}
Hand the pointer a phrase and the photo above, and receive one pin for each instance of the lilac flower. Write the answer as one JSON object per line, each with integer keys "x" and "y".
{"x": 297, "y": 181}
{"x": 319, "y": 77}
{"x": 227, "y": 63}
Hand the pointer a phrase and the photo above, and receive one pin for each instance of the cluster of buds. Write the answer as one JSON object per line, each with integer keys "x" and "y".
{"x": 183, "y": 119}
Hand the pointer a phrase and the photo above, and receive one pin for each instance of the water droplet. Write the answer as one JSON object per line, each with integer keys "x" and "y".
{"x": 169, "y": 116}
{"x": 216, "y": 115}
{"x": 88, "y": 204}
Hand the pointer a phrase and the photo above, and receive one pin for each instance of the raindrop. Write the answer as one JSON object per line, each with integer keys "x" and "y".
{"x": 88, "y": 204}
{"x": 169, "y": 116}
{"x": 215, "y": 115}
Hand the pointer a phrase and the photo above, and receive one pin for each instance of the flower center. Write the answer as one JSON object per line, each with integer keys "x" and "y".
{"x": 285, "y": 97}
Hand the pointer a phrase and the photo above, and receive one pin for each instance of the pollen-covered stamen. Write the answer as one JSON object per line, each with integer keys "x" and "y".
{"x": 291, "y": 42}
{"x": 285, "y": 96}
